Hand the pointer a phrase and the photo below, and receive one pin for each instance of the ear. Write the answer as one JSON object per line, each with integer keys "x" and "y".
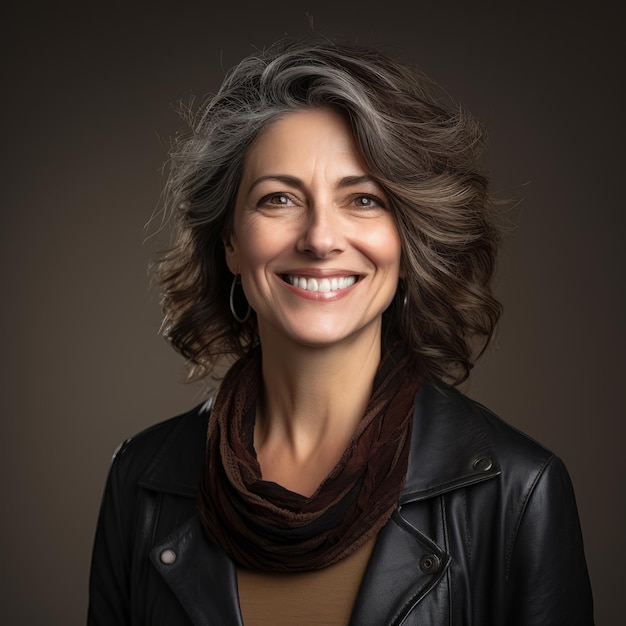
{"x": 231, "y": 250}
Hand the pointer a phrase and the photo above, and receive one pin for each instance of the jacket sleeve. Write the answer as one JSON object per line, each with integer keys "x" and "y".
{"x": 547, "y": 582}
{"x": 109, "y": 593}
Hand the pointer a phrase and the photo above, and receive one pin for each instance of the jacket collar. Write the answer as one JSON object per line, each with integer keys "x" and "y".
{"x": 450, "y": 444}
{"x": 177, "y": 466}
{"x": 450, "y": 448}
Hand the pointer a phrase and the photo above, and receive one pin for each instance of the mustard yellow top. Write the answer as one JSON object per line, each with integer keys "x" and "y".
{"x": 319, "y": 598}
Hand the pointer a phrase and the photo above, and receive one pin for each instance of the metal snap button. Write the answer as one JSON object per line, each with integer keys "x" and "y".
{"x": 484, "y": 464}
{"x": 430, "y": 564}
{"x": 168, "y": 557}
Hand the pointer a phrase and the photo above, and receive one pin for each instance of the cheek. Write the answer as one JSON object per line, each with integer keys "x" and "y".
{"x": 257, "y": 247}
{"x": 386, "y": 244}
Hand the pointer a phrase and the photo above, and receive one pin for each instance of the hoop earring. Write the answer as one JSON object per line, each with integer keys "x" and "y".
{"x": 403, "y": 296}
{"x": 241, "y": 320}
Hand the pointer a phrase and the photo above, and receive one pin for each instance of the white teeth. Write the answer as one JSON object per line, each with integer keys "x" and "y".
{"x": 323, "y": 285}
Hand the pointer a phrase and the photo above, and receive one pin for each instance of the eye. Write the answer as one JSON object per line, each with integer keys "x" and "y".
{"x": 276, "y": 199}
{"x": 367, "y": 201}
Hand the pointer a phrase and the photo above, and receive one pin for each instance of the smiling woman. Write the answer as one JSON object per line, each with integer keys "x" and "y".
{"x": 335, "y": 233}
{"x": 422, "y": 157}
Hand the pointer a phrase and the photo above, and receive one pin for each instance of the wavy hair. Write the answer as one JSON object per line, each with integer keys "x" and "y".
{"x": 425, "y": 155}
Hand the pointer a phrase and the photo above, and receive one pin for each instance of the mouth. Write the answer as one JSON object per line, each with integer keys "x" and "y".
{"x": 320, "y": 285}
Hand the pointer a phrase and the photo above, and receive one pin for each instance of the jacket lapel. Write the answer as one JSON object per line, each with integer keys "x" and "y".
{"x": 450, "y": 449}
{"x": 403, "y": 568}
{"x": 201, "y": 575}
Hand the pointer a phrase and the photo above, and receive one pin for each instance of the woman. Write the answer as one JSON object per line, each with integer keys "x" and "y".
{"x": 335, "y": 234}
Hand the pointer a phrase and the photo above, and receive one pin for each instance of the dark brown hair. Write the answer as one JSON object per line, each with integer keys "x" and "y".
{"x": 425, "y": 155}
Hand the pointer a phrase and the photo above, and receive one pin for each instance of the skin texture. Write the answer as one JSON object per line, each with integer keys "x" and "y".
{"x": 306, "y": 207}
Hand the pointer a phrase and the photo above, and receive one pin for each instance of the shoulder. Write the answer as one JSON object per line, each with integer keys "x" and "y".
{"x": 167, "y": 453}
{"x": 529, "y": 470}
{"x": 531, "y": 480}
{"x": 511, "y": 446}
{"x": 457, "y": 442}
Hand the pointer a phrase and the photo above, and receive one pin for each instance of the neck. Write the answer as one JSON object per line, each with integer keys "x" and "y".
{"x": 313, "y": 399}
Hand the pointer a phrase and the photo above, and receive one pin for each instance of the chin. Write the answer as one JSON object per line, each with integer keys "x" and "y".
{"x": 329, "y": 335}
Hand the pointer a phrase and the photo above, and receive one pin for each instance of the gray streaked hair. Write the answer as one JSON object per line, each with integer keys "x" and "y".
{"x": 425, "y": 155}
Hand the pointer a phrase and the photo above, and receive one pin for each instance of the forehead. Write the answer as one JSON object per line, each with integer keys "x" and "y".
{"x": 301, "y": 139}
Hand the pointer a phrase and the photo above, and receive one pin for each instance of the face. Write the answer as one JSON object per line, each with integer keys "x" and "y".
{"x": 313, "y": 237}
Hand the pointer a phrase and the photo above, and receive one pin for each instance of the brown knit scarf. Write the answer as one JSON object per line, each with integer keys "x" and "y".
{"x": 264, "y": 526}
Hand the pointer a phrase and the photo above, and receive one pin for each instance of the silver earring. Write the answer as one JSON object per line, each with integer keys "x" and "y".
{"x": 241, "y": 320}
{"x": 404, "y": 296}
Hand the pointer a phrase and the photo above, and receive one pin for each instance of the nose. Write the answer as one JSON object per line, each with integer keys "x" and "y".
{"x": 323, "y": 233}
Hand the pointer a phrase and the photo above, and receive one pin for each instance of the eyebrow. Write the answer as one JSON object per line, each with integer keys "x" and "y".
{"x": 292, "y": 181}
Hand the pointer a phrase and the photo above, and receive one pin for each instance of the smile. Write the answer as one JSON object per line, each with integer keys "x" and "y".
{"x": 320, "y": 285}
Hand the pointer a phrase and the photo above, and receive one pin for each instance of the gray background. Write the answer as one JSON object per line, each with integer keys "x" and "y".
{"x": 88, "y": 112}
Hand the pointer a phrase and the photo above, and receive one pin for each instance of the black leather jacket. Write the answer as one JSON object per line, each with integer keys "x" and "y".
{"x": 486, "y": 532}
